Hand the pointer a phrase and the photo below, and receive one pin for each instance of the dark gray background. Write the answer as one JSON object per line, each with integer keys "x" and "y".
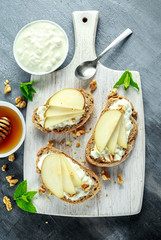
{"x": 142, "y": 52}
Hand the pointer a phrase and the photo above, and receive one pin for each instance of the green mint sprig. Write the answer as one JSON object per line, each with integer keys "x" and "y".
{"x": 27, "y": 90}
{"x": 23, "y": 198}
{"x": 127, "y": 80}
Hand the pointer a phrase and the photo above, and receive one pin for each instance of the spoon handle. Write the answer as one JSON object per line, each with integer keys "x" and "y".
{"x": 122, "y": 36}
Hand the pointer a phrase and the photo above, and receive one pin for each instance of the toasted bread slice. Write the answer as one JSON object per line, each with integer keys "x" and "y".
{"x": 95, "y": 188}
{"x": 91, "y": 143}
{"x": 88, "y": 110}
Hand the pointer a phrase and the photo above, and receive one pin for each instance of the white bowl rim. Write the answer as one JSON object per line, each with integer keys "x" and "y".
{"x": 42, "y": 73}
{"x": 10, "y": 105}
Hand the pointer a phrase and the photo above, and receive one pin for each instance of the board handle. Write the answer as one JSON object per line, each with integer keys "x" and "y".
{"x": 85, "y": 26}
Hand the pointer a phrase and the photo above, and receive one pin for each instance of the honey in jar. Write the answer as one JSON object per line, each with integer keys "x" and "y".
{"x": 12, "y": 136}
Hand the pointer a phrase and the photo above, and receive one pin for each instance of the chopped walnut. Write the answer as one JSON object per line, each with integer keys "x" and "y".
{"x": 7, "y": 202}
{"x": 111, "y": 157}
{"x": 85, "y": 187}
{"x": 11, "y": 181}
{"x": 87, "y": 131}
{"x": 21, "y": 104}
{"x": 6, "y": 82}
{"x": 78, "y": 144}
{"x": 105, "y": 176}
{"x": 119, "y": 178}
{"x": 11, "y": 157}
{"x": 73, "y": 119}
{"x": 4, "y": 167}
{"x": 68, "y": 143}
{"x": 103, "y": 159}
{"x": 114, "y": 182}
{"x": 113, "y": 93}
{"x": 121, "y": 108}
{"x": 42, "y": 190}
{"x": 79, "y": 132}
{"x": 50, "y": 143}
{"x": 93, "y": 85}
{"x": 106, "y": 195}
{"x": 18, "y": 100}
{"x": 7, "y": 89}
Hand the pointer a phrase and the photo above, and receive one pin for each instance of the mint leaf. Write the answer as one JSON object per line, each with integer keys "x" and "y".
{"x": 24, "y": 198}
{"x": 29, "y": 195}
{"x": 132, "y": 83}
{"x": 21, "y": 189}
{"x": 127, "y": 81}
{"x": 26, "y": 206}
{"x": 121, "y": 80}
{"x": 27, "y": 90}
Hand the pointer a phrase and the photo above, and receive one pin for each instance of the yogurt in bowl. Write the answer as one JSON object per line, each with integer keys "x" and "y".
{"x": 40, "y": 47}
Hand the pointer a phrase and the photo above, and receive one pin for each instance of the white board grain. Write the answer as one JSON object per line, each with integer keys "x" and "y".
{"x": 123, "y": 199}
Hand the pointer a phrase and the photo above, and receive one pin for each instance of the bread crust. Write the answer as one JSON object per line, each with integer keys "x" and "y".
{"x": 94, "y": 189}
{"x": 88, "y": 110}
{"x": 131, "y": 140}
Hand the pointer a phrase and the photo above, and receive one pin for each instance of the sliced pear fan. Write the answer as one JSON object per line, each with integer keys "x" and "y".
{"x": 67, "y": 98}
{"x": 105, "y": 128}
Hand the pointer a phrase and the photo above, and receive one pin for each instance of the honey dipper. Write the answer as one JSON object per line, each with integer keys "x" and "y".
{"x": 5, "y": 128}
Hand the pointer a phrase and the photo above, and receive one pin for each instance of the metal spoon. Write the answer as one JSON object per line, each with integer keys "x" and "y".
{"x": 87, "y": 70}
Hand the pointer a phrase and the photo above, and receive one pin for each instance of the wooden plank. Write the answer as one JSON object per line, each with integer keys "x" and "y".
{"x": 122, "y": 199}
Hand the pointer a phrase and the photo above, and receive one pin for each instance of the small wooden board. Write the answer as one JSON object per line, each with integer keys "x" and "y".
{"x": 114, "y": 199}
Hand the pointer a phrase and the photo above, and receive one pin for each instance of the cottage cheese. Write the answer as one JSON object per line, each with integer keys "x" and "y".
{"x": 41, "y": 47}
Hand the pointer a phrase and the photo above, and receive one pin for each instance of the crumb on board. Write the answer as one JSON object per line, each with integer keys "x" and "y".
{"x": 83, "y": 161}
{"x": 4, "y": 167}
{"x": 47, "y": 198}
{"x": 12, "y": 181}
{"x": 93, "y": 85}
{"x": 11, "y": 157}
{"x": 106, "y": 195}
{"x": 7, "y": 202}
{"x": 75, "y": 152}
{"x": 114, "y": 182}
{"x": 78, "y": 144}
{"x": 119, "y": 178}
{"x": 46, "y": 222}
{"x": 68, "y": 143}
{"x": 105, "y": 175}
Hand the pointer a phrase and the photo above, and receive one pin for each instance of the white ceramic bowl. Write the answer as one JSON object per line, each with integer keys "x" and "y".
{"x": 15, "y": 109}
{"x": 54, "y": 68}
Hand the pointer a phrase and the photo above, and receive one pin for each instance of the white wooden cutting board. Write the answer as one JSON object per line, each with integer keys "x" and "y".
{"x": 125, "y": 199}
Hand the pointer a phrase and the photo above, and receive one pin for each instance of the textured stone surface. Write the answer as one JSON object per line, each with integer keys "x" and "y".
{"x": 141, "y": 52}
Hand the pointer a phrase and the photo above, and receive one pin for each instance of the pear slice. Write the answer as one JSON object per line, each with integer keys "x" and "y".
{"x": 74, "y": 176}
{"x": 60, "y": 111}
{"x": 68, "y": 186}
{"x": 51, "y": 174}
{"x": 52, "y": 121}
{"x": 105, "y": 127}
{"x": 113, "y": 139}
{"x": 122, "y": 139}
{"x": 67, "y": 98}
